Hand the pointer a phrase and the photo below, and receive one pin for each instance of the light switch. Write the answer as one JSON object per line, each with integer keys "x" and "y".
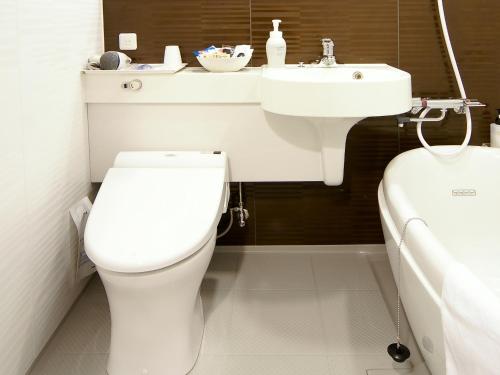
{"x": 128, "y": 41}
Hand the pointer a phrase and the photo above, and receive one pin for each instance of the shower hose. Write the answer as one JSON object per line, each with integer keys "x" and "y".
{"x": 453, "y": 60}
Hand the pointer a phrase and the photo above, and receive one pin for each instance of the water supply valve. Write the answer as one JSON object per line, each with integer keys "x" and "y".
{"x": 243, "y": 214}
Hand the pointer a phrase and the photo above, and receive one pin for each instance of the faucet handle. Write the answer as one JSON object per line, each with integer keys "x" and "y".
{"x": 328, "y": 46}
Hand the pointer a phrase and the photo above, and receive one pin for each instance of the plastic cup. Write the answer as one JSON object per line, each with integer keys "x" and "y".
{"x": 172, "y": 58}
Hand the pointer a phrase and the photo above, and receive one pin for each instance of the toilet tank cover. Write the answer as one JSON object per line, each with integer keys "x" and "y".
{"x": 145, "y": 219}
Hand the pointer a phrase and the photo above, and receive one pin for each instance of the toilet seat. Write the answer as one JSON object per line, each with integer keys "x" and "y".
{"x": 145, "y": 219}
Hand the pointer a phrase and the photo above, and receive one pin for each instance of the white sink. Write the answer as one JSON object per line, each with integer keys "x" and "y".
{"x": 338, "y": 91}
{"x": 334, "y": 99}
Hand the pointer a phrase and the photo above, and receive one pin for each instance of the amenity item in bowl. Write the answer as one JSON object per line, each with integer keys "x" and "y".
{"x": 224, "y": 59}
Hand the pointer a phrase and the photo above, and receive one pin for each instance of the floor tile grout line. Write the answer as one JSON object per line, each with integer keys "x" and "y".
{"x": 291, "y": 354}
{"x": 320, "y": 310}
{"x": 292, "y": 290}
{"x": 79, "y": 353}
{"x": 332, "y": 250}
{"x": 225, "y": 342}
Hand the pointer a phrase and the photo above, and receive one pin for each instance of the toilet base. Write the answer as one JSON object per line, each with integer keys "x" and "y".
{"x": 157, "y": 317}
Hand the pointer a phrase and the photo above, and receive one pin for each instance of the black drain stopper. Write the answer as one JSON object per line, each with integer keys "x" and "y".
{"x": 398, "y": 352}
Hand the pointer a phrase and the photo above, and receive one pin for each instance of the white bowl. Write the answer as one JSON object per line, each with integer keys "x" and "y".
{"x": 224, "y": 64}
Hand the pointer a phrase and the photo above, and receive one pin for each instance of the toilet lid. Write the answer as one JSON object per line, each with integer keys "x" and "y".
{"x": 145, "y": 219}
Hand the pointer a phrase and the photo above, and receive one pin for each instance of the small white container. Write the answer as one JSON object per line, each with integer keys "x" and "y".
{"x": 495, "y": 132}
{"x": 276, "y": 47}
{"x": 172, "y": 58}
{"x": 224, "y": 64}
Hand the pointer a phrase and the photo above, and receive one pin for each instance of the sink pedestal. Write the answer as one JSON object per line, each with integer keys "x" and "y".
{"x": 332, "y": 138}
{"x": 335, "y": 99}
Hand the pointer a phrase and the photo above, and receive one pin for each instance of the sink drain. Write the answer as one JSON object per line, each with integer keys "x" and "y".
{"x": 357, "y": 75}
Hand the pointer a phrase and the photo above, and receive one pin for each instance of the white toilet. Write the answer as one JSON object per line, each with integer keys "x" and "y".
{"x": 151, "y": 234}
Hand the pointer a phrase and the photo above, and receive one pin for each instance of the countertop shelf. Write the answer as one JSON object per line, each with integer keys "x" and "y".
{"x": 183, "y": 71}
{"x": 190, "y": 85}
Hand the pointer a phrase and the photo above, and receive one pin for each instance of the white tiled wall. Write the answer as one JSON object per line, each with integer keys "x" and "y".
{"x": 44, "y": 165}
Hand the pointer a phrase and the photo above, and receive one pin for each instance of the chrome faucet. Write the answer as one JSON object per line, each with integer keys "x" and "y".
{"x": 328, "y": 52}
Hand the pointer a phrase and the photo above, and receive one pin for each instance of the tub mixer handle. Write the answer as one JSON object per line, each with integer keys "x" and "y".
{"x": 419, "y": 104}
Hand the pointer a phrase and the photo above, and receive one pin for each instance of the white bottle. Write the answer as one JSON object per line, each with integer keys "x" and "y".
{"x": 495, "y": 132}
{"x": 276, "y": 47}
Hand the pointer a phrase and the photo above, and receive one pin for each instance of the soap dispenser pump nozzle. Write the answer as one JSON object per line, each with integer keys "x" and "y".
{"x": 276, "y": 31}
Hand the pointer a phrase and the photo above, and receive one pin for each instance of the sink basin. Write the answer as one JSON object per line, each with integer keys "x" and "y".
{"x": 334, "y": 99}
{"x": 343, "y": 90}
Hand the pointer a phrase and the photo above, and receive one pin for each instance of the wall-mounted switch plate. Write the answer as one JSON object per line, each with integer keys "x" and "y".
{"x": 128, "y": 41}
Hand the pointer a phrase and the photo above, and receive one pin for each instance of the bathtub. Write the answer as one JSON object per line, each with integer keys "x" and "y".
{"x": 459, "y": 199}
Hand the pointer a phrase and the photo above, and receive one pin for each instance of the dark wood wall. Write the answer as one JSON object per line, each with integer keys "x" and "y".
{"x": 403, "y": 33}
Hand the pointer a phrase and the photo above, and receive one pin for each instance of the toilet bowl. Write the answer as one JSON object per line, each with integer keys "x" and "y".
{"x": 151, "y": 234}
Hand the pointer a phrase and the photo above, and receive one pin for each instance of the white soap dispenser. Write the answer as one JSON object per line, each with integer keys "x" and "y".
{"x": 276, "y": 47}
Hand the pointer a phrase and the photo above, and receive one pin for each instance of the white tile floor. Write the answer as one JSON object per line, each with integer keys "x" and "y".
{"x": 266, "y": 313}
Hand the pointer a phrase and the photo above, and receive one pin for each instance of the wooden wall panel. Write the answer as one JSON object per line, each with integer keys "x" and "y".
{"x": 191, "y": 24}
{"x": 364, "y": 31}
{"x": 313, "y": 213}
